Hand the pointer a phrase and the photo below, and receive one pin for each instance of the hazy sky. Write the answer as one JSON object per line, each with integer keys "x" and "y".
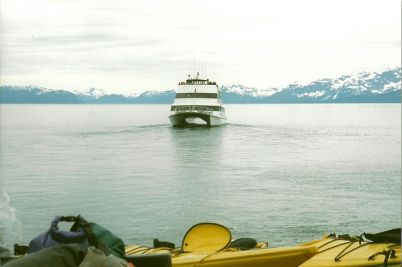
{"x": 128, "y": 46}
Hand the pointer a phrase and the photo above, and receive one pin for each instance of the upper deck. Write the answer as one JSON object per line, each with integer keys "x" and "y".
{"x": 197, "y": 85}
{"x": 197, "y": 81}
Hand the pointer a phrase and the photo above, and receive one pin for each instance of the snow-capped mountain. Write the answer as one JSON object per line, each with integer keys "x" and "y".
{"x": 154, "y": 93}
{"x": 361, "y": 87}
{"x": 156, "y": 97}
{"x": 92, "y": 92}
{"x": 349, "y": 87}
{"x": 90, "y": 95}
{"x": 251, "y": 91}
{"x": 35, "y": 94}
{"x": 364, "y": 87}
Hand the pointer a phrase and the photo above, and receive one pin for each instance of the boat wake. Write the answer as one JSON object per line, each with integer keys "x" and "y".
{"x": 125, "y": 130}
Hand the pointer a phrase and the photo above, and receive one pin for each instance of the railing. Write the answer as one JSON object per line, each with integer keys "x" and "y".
{"x": 196, "y": 95}
{"x": 195, "y": 81}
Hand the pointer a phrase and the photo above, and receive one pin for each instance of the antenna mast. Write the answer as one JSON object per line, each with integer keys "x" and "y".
{"x": 193, "y": 72}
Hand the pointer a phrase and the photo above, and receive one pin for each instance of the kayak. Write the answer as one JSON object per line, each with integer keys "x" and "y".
{"x": 211, "y": 245}
{"x": 229, "y": 257}
{"x": 353, "y": 252}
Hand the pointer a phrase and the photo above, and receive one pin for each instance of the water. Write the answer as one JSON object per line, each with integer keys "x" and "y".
{"x": 278, "y": 173}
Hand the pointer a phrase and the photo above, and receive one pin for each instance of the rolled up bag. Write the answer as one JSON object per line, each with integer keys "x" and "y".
{"x": 54, "y": 236}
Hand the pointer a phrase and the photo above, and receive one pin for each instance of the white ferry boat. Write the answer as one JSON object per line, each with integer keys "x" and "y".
{"x": 197, "y": 101}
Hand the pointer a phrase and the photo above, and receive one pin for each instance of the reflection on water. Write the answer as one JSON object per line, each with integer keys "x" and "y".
{"x": 198, "y": 170}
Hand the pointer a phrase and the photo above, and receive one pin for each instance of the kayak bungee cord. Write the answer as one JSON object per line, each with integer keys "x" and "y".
{"x": 209, "y": 255}
{"x": 349, "y": 241}
{"x": 331, "y": 247}
{"x": 340, "y": 255}
{"x": 136, "y": 250}
{"x": 389, "y": 254}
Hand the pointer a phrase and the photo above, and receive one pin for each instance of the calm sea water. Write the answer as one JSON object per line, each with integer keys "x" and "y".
{"x": 278, "y": 173}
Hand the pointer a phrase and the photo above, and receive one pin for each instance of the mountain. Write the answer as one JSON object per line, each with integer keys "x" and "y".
{"x": 156, "y": 97}
{"x": 91, "y": 95}
{"x": 98, "y": 96}
{"x": 36, "y": 95}
{"x": 240, "y": 94}
{"x": 364, "y": 87}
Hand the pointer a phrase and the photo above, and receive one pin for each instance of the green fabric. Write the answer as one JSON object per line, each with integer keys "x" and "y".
{"x": 107, "y": 238}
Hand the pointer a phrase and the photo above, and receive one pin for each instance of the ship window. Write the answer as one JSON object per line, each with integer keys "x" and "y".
{"x": 197, "y": 108}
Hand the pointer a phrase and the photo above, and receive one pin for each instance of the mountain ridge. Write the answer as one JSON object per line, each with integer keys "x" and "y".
{"x": 364, "y": 87}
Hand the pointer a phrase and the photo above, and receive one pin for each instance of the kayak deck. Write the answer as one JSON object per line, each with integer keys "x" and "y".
{"x": 341, "y": 252}
{"x": 260, "y": 257}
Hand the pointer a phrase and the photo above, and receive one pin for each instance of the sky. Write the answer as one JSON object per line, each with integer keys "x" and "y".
{"x": 130, "y": 46}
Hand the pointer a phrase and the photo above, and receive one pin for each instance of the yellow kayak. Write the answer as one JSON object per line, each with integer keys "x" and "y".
{"x": 208, "y": 244}
{"x": 259, "y": 257}
{"x": 340, "y": 252}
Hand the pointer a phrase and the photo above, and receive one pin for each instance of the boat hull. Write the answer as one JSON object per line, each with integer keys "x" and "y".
{"x": 195, "y": 118}
{"x": 264, "y": 257}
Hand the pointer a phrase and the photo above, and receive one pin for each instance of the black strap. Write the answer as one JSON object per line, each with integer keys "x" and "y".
{"x": 390, "y": 236}
{"x": 20, "y": 249}
{"x": 86, "y": 227}
{"x": 80, "y": 222}
{"x": 69, "y": 218}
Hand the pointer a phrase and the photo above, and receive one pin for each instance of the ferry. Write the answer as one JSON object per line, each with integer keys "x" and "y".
{"x": 197, "y": 102}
